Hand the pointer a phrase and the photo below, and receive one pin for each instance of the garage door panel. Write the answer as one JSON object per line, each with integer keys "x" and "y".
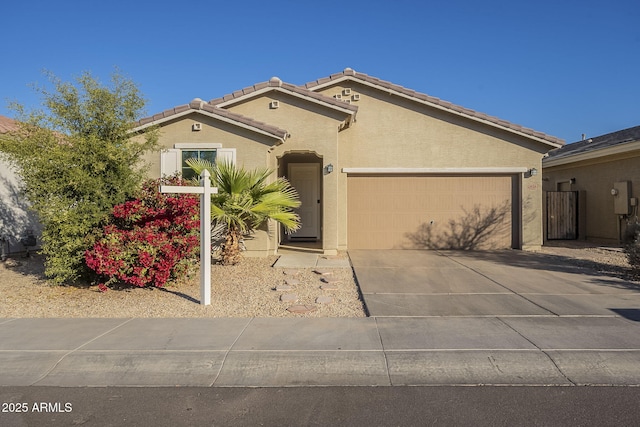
{"x": 387, "y": 212}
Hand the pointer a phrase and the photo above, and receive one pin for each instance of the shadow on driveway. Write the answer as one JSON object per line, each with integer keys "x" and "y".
{"x": 628, "y": 313}
{"x": 600, "y": 273}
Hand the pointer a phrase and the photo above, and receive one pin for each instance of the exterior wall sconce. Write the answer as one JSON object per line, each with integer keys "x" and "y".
{"x": 533, "y": 172}
{"x": 328, "y": 169}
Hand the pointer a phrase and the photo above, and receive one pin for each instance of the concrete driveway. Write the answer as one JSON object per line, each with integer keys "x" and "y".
{"x": 400, "y": 283}
{"x": 472, "y": 315}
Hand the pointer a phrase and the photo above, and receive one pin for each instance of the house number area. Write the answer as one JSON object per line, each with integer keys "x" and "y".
{"x": 49, "y": 407}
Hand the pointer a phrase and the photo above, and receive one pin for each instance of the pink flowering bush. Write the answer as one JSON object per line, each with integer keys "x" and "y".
{"x": 149, "y": 241}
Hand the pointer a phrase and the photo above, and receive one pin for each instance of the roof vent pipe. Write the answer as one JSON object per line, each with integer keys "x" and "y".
{"x": 584, "y": 136}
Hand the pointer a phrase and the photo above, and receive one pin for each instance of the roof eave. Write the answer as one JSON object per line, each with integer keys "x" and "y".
{"x": 162, "y": 120}
{"x": 259, "y": 92}
{"x": 555, "y": 143}
{"x": 592, "y": 154}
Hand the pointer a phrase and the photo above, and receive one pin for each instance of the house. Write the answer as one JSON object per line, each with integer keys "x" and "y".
{"x": 376, "y": 165}
{"x": 16, "y": 219}
{"x": 605, "y": 171}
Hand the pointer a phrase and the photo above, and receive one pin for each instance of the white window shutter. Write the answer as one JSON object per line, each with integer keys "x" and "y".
{"x": 226, "y": 154}
{"x": 170, "y": 161}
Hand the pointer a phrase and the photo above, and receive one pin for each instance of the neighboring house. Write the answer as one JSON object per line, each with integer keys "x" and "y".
{"x": 605, "y": 170}
{"x": 376, "y": 165}
{"x": 16, "y": 220}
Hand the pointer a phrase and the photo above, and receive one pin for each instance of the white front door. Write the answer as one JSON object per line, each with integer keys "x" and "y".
{"x": 305, "y": 178}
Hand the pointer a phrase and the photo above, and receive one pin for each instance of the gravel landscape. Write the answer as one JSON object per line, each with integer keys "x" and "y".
{"x": 244, "y": 290}
{"x": 602, "y": 258}
{"x": 247, "y": 289}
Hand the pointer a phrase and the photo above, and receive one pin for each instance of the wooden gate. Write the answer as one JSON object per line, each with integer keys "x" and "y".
{"x": 562, "y": 215}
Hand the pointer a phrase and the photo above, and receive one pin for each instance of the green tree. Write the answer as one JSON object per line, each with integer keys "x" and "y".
{"x": 77, "y": 161}
{"x": 245, "y": 201}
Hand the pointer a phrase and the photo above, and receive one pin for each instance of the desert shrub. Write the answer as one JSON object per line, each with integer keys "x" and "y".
{"x": 632, "y": 248}
{"x": 77, "y": 160}
{"x": 150, "y": 240}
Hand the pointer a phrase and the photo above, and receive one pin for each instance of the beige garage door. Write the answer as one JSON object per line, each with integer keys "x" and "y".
{"x": 436, "y": 212}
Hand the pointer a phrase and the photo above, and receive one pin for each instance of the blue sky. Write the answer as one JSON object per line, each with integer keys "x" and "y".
{"x": 563, "y": 67}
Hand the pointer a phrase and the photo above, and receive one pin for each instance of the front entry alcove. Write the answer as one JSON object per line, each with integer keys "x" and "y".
{"x": 304, "y": 172}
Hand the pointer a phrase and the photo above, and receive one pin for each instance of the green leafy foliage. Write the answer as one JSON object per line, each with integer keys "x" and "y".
{"x": 77, "y": 160}
{"x": 245, "y": 200}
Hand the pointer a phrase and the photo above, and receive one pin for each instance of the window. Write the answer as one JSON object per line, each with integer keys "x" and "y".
{"x": 173, "y": 160}
{"x": 187, "y": 172}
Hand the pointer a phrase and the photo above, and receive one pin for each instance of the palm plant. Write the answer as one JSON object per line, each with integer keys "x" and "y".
{"x": 245, "y": 201}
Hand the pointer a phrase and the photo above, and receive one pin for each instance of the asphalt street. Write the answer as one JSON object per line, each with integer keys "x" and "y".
{"x": 325, "y": 406}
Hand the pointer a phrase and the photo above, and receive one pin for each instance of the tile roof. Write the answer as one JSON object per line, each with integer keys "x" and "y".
{"x": 308, "y": 90}
{"x": 349, "y": 73}
{"x": 198, "y": 105}
{"x": 596, "y": 143}
{"x": 276, "y": 83}
{"x": 7, "y": 124}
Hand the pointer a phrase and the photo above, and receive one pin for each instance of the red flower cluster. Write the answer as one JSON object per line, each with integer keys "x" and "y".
{"x": 150, "y": 240}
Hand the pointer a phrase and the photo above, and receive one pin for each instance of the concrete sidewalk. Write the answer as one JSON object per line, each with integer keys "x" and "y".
{"x": 319, "y": 352}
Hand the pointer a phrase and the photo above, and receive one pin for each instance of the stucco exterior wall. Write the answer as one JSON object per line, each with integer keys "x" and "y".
{"x": 314, "y": 129}
{"x": 15, "y": 216}
{"x": 251, "y": 148}
{"x": 395, "y": 132}
{"x": 251, "y": 152}
{"x": 389, "y": 131}
{"x": 596, "y": 178}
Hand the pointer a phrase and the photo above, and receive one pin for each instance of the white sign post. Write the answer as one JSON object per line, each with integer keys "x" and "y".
{"x": 205, "y": 190}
